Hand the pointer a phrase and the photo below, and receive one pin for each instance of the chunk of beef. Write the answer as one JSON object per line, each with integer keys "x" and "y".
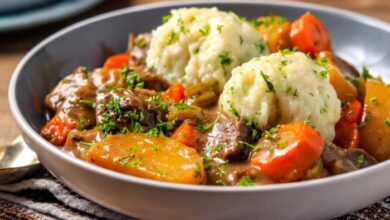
{"x": 227, "y": 140}
{"x": 79, "y": 142}
{"x": 128, "y": 109}
{"x": 338, "y": 160}
{"x": 138, "y": 48}
{"x": 71, "y": 95}
{"x": 105, "y": 79}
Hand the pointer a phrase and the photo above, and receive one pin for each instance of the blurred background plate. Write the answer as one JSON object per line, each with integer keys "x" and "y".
{"x": 13, "y": 5}
{"x": 18, "y": 14}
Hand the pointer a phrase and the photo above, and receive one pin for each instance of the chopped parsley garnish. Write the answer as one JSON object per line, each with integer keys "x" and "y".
{"x": 374, "y": 99}
{"x": 269, "y": 84}
{"x": 161, "y": 128}
{"x": 157, "y": 101}
{"x": 272, "y": 20}
{"x": 366, "y": 73}
{"x": 115, "y": 104}
{"x": 181, "y": 106}
{"x": 225, "y": 60}
{"x": 89, "y": 144}
{"x": 205, "y": 31}
{"x": 241, "y": 40}
{"x": 215, "y": 148}
{"x": 207, "y": 126}
{"x": 207, "y": 163}
{"x": 140, "y": 42}
{"x": 219, "y": 28}
{"x": 154, "y": 147}
{"x": 360, "y": 160}
{"x": 125, "y": 71}
{"x": 82, "y": 122}
{"x": 246, "y": 181}
{"x": 166, "y": 18}
{"x": 387, "y": 121}
{"x": 323, "y": 110}
{"x": 196, "y": 51}
{"x": 322, "y": 62}
{"x": 282, "y": 144}
{"x": 249, "y": 121}
{"x": 324, "y": 74}
{"x": 251, "y": 146}
{"x": 134, "y": 81}
{"x": 255, "y": 23}
{"x": 285, "y": 52}
{"x": 172, "y": 37}
{"x": 88, "y": 103}
{"x": 198, "y": 170}
{"x": 233, "y": 110}
{"x": 260, "y": 47}
{"x": 107, "y": 124}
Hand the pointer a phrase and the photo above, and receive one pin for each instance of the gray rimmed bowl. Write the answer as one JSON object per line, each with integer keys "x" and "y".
{"x": 358, "y": 39}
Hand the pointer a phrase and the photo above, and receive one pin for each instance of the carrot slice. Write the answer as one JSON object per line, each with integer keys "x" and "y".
{"x": 57, "y": 129}
{"x": 176, "y": 92}
{"x": 310, "y": 35}
{"x": 347, "y": 132}
{"x": 116, "y": 61}
{"x": 186, "y": 134}
{"x": 347, "y": 136}
{"x": 298, "y": 148}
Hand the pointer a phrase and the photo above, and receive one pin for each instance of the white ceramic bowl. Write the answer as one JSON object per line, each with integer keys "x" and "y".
{"x": 356, "y": 38}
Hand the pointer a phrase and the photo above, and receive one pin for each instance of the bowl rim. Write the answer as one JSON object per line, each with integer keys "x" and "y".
{"x": 42, "y": 143}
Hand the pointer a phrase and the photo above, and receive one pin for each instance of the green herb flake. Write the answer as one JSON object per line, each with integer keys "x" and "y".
{"x": 219, "y": 28}
{"x": 166, "y": 18}
{"x": 157, "y": 101}
{"x": 134, "y": 81}
{"x": 233, "y": 110}
{"x": 246, "y": 181}
{"x": 107, "y": 124}
{"x": 269, "y": 84}
{"x": 205, "y": 31}
{"x": 366, "y": 73}
{"x": 196, "y": 51}
{"x": 88, "y": 103}
{"x": 260, "y": 47}
{"x": 374, "y": 99}
{"x": 225, "y": 60}
{"x": 82, "y": 122}
{"x": 198, "y": 170}
{"x": 387, "y": 121}
{"x": 172, "y": 37}
{"x": 282, "y": 144}
{"x": 241, "y": 40}
{"x": 182, "y": 106}
{"x": 360, "y": 160}
{"x": 89, "y": 144}
{"x": 207, "y": 163}
{"x": 140, "y": 42}
{"x": 255, "y": 23}
{"x": 115, "y": 104}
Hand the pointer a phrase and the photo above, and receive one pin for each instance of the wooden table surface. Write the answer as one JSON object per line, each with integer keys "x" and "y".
{"x": 14, "y": 45}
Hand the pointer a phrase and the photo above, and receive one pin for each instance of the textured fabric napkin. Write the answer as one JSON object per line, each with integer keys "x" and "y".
{"x": 43, "y": 197}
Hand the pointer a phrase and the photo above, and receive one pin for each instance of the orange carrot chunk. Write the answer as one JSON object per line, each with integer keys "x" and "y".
{"x": 116, "y": 61}
{"x": 310, "y": 35}
{"x": 176, "y": 92}
{"x": 186, "y": 134}
{"x": 297, "y": 149}
{"x": 57, "y": 129}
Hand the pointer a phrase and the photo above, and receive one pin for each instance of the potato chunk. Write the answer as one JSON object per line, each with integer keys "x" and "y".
{"x": 375, "y": 135}
{"x": 159, "y": 158}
